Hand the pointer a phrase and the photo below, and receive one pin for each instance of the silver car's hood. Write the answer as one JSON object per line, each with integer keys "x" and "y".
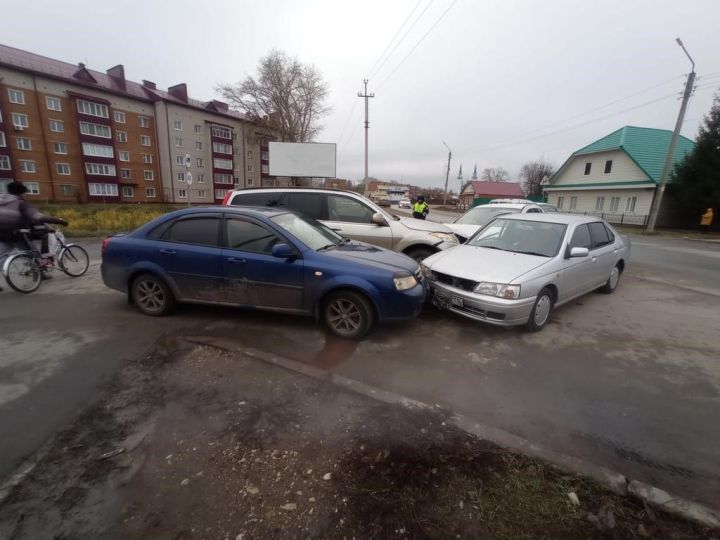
{"x": 483, "y": 264}
{"x": 422, "y": 225}
{"x": 463, "y": 229}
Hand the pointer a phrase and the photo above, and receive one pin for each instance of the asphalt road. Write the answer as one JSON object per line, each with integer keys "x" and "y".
{"x": 630, "y": 381}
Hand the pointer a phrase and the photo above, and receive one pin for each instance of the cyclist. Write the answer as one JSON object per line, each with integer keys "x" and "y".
{"x": 15, "y": 214}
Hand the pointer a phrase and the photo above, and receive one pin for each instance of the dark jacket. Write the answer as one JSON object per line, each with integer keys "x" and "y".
{"x": 16, "y": 213}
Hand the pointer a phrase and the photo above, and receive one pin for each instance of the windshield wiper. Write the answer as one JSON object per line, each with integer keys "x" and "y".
{"x": 491, "y": 247}
{"x": 344, "y": 240}
{"x": 532, "y": 253}
{"x": 326, "y": 246}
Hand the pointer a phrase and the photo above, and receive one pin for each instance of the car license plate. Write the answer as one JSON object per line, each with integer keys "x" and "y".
{"x": 456, "y": 301}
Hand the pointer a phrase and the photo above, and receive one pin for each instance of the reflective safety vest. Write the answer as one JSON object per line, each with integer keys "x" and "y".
{"x": 420, "y": 207}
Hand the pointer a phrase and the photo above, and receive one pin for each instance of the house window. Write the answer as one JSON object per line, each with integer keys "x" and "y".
{"x": 28, "y": 166}
{"x": 33, "y": 188}
{"x": 97, "y": 130}
{"x": 127, "y": 191}
{"x": 201, "y": 178}
{"x": 221, "y": 132}
{"x": 150, "y": 192}
{"x": 98, "y": 150}
{"x": 599, "y": 203}
{"x": 198, "y": 128}
{"x": 3, "y": 142}
{"x": 614, "y": 203}
{"x": 223, "y": 178}
{"x": 588, "y": 166}
{"x": 198, "y": 145}
{"x": 178, "y": 125}
{"x": 20, "y": 120}
{"x": 222, "y": 163}
{"x": 16, "y": 96}
{"x": 92, "y": 109}
{"x": 144, "y": 121}
{"x": 199, "y": 162}
{"x": 181, "y": 176}
{"x": 560, "y": 202}
{"x": 120, "y": 117}
{"x": 148, "y": 175}
{"x": 179, "y": 159}
{"x": 237, "y": 180}
{"x": 124, "y": 155}
{"x": 125, "y": 173}
{"x": 60, "y": 148}
{"x": 147, "y": 159}
{"x": 62, "y": 168}
{"x": 23, "y": 143}
{"x": 220, "y": 193}
{"x": 100, "y": 169}
{"x": 222, "y": 148}
{"x": 182, "y": 193}
{"x": 144, "y": 140}
{"x": 264, "y": 168}
{"x": 249, "y": 154}
{"x": 53, "y": 103}
{"x": 57, "y": 126}
{"x": 109, "y": 190}
{"x": 235, "y": 136}
{"x": 122, "y": 136}
{"x": 178, "y": 141}
{"x": 608, "y": 166}
{"x": 630, "y": 204}
{"x": 66, "y": 190}
{"x": 4, "y": 163}
{"x": 201, "y": 193}
{"x": 573, "y": 203}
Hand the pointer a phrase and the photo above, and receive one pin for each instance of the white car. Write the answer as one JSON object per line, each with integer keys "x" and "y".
{"x": 476, "y": 218}
{"x": 405, "y": 203}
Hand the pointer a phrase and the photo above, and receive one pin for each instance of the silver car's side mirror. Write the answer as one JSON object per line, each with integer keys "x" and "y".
{"x": 579, "y": 252}
{"x": 379, "y": 219}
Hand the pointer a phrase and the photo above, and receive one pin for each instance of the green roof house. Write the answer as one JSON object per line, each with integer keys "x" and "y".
{"x": 616, "y": 176}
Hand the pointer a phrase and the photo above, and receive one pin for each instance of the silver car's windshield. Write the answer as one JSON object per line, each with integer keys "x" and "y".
{"x": 519, "y": 236}
{"x": 481, "y": 215}
{"x": 312, "y": 233}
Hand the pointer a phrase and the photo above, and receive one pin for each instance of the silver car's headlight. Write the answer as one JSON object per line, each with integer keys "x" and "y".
{"x": 405, "y": 283}
{"x": 500, "y": 290}
{"x": 445, "y": 237}
{"x": 425, "y": 269}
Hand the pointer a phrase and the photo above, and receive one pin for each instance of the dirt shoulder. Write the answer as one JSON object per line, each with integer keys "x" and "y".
{"x": 192, "y": 442}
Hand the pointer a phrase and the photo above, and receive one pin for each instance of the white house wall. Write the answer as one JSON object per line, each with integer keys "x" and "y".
{"x": 624, "y": 169}
{"x": 587, "y": 200}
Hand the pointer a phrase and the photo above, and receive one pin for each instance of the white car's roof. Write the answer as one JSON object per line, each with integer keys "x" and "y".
{"x": 509, "y": 206}
{"x": 554, "y": 217}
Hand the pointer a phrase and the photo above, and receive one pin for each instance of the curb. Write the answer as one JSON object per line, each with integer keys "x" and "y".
{"x": 612, "y": 480}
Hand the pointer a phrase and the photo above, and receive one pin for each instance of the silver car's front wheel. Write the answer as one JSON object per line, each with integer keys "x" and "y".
{"x": 541, "y": 311}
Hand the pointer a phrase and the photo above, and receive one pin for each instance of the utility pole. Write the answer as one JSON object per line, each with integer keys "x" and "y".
{"x": 657, "y": 201}
{"x": 366, "y": 96}
{"x": 447, "y": 173}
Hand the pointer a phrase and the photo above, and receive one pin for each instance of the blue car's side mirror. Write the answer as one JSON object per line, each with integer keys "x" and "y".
{"x": 282, "y": 251}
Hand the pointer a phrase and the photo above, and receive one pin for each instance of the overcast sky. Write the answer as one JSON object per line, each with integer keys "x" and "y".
{"x": 500, "y": 81}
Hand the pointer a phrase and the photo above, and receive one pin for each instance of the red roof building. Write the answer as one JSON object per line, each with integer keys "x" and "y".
{"x": 486, "y": 191}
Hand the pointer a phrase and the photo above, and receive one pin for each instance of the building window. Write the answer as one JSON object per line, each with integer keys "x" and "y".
{"x": 223, "y": 178}
{"x": 198, "y": 128}
{"x": 33, "y": 188}
{"x": 144, "y": 121}
{"x": 96, "y": 130}
{"x": 120, "y": 117}
{"x": 614, "y": 203}
{"x": 249, "y": 154}
{"x": 148, "y": 175}
{"x": 201, "y": 178}
{"x": 219, "y": 163}
{"x": 573, "y": 203}
{"x": 4, "y": 163}
{"x": 92, "y": 109}
{"x": 630, "y": 204}
{"x": 53, "y": 103}
{"x": 125, "y": 173}
{"x": 122, "y": 136}
{"x": 99, "y": 190}
{"x": 150, "y": 192}
{"x": 608, "y": 166}
{"x": 237, "y": 180}
{"x": 66, "y": 190}
{"x": 249, "y": 181}
{"x": 201, "y": 193}
{"x": 98, "y": 150}
{"x": 198, "y": 145}
{"x": 3, "y": 142}
{"x": 181, "y": 176}
{"x": 249, "y": 168}
{"x": 100, "y": 169}
{"x": 178, "y": 141}
{"x": 222, "y": 148}
{"x": 560, "y": 202}
{"x": 62, "y": 168}
{"x": 178, "y": 125}
{"x": 28, "y": 166}
{"x": 20, "y": 120}
{"x": 182, "y": 193}
{"x": 16, "y": 96}
{"x": 265, "y": 156}
{"x": 144, "y": 140}
{"x": 23, "y": 143}
{"x": 127, "y": 191}
{"x": 220, "y": 193}
{"x": 221, "y": 132}
{"x": 124, "y": 155}
{"x": 199, "y": 162}
{"x": 599, "y": 203}
{"x": 147, "y": 159}
{"x": 588, "y": 166}
{"x": 57, "y": 126}
{"x": 60, "y": 148}
{"x": 179, "y": 159}
{"x": 264, "y": 168}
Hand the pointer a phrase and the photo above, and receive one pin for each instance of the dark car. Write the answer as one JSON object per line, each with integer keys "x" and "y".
{"x": 264, "y": 258}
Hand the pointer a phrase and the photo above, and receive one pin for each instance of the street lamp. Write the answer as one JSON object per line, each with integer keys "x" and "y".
{"x": 447, "y": 173}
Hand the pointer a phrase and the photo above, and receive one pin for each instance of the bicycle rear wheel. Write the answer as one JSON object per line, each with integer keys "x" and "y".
{"x": 21, "y": 273}
{"x": 74, "y": 260}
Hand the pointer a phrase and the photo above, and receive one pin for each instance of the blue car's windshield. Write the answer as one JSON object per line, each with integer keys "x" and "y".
{"x": 530, "y": 237}
{"x": 312, "y": 233}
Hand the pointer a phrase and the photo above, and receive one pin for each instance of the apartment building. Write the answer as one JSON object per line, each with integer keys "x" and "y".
{"x": 76, "y": 134}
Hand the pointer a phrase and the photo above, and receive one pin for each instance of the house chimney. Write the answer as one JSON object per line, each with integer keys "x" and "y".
{"x": 81, "y": 65}
{"x": 149, "y": 84}
{"x": 117, "y": 72}
{"x": 179, "y": 91}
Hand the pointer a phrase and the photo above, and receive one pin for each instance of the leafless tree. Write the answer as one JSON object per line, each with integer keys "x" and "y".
{"x": 291, "y": 95}
{"x": 495, "y": 174}
{"x": 533, "y": 173}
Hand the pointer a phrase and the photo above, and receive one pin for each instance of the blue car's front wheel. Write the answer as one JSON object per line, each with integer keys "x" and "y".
{"x": 347, "y": 314}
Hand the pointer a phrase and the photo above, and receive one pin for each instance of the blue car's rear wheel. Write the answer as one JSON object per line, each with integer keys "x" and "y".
{"x": 347, "y": 314}
{"x": 151, "y": 295}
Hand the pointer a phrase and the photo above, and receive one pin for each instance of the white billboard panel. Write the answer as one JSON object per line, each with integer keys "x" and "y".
{"x": 302, "y": 159}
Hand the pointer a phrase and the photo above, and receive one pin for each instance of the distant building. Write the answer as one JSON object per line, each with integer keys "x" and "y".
{"x": 481, "y": 192}
{"x": 383, "y": 191}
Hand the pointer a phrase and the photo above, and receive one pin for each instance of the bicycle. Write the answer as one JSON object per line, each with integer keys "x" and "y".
{"x": 24, "y": 270}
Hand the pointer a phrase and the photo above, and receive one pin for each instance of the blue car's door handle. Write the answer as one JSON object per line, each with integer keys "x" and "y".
{"x": 167, "y": 251}
{"x": 235, "y": 260}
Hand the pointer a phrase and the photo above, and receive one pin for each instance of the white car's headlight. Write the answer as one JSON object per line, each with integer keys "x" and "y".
{"x": 445, "y": 237}
{"x": 405, "y": 283}
{"x": 425, "y": 269}
{"x": 500, "y": 290}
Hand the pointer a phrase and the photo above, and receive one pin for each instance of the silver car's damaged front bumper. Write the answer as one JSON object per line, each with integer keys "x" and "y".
{"x": 487, "y": 309}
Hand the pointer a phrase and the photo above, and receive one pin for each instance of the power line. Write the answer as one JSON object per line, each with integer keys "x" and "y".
{"x": 417, "y": 44}
{"x": 394, "y": 37}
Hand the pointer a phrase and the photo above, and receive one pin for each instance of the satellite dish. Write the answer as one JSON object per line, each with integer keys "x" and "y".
{"x": 189, "y": 179}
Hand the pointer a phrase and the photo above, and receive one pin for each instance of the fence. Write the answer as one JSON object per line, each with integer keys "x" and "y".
{"x": 618, "y": 219}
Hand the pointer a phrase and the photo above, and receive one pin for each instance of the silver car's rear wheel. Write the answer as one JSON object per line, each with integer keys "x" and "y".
{"x": 612, "y": 281}
{"x": 541, "y": 311}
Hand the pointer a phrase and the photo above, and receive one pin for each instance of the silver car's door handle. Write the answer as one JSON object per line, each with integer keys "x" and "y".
{"x": 594, "y": 259}
{"x": 235, "y": 260}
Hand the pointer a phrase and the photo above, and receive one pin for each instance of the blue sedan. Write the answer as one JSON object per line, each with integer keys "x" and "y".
{"x": 264, "y": 258}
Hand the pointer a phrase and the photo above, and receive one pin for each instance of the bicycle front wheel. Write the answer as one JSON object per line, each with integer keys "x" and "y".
{"x": 74, "y": 260}
{"x": 21, "y": 273}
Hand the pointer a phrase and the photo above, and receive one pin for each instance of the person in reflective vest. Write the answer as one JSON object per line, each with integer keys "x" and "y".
{"x": 420, "y": 208}
{"x": 706, "y": 220}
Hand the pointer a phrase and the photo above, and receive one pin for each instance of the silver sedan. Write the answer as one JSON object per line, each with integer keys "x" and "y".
{"x": 519, "y": 267}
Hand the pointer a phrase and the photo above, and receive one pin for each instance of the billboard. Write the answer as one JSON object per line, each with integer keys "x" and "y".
{"x": 315, "y": 160}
